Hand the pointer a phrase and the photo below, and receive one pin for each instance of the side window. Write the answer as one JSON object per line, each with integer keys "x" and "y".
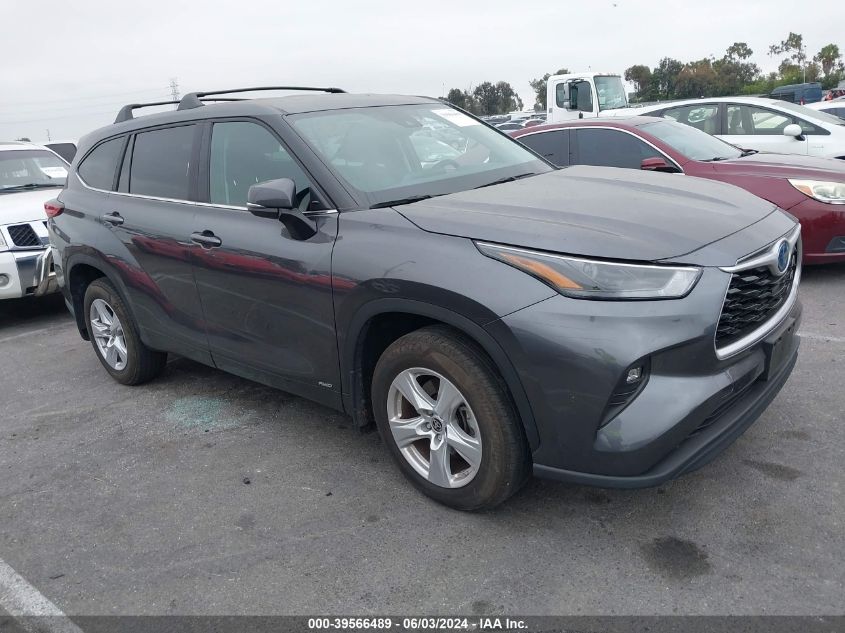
{"x": 100, "y": 166}
{"x": 553, "y": 146}
{"x": 704, "y": 117}
{"x": 810, "y": 129}
{"x": 560, "y": 95}
{"x": 765, "y": 122}
{"x": 612, "y": 148}
{"x": 161, "y": 162}
{"x": 243, "y": 154}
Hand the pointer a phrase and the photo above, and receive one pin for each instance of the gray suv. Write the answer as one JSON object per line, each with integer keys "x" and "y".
{"x": 395, "y": 258}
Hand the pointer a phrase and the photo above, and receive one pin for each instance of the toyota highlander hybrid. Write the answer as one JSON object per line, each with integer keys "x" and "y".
{"x": 395, "y": 258}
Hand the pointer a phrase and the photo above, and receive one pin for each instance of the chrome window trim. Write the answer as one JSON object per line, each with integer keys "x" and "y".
{"x": 606, "y": 127}
{"x": 765, "y": 257}
{"x": 190, "y": 202}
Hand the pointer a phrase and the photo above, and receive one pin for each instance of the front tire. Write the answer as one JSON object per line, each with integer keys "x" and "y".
{"x": 448, "y": 420}
{"x": 114, "y": 335}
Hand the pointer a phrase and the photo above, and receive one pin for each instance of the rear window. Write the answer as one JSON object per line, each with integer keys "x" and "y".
{"x": 161, "y": 161}
{"x": 98, "y": 169}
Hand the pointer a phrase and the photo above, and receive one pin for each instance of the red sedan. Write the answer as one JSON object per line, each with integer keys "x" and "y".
{"x": 811, "y": 189}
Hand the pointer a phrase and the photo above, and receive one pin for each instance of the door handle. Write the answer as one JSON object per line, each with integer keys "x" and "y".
{"x": 206, "y": 239}
{"x": 114, "y": 219}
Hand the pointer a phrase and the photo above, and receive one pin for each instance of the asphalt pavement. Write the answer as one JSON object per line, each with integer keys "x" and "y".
{"x": 202, "y": 493}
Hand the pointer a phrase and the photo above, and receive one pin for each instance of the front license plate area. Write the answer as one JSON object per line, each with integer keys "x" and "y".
{"x": 778, "y": 350}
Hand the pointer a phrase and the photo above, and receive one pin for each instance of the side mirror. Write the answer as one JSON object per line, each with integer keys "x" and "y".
{"x": 794, "y": 130}
{"x": 658, "y": 164}
{"x": 276, "y": 199}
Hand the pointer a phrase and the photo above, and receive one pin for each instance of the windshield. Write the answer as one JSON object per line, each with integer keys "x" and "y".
{"x": 393, "y": 153}
{"x": 611, "y": 92}
{"x": 691, "y": 142}
{"x": 810, "y": 113}
{"x": 30, "y": 169}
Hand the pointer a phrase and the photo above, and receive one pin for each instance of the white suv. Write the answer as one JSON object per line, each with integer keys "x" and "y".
{"x": 30, "y": 175}
{"x": 766, "y": 125}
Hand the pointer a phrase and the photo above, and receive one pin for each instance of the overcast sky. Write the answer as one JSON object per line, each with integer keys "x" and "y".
{"x": 69, "y": 66}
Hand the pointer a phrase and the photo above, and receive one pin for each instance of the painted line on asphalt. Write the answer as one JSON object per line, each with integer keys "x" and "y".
{"x": 822, "y": 337}
{"x": 29, "y": 607}
{"x": 30, "y": 333}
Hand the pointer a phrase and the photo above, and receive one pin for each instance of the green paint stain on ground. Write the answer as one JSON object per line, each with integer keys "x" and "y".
{"x": 203, "y": 412}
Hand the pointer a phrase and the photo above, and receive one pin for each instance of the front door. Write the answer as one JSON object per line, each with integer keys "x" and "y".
{"x": 267, "y": 297}
{"x": 753, "y": 127}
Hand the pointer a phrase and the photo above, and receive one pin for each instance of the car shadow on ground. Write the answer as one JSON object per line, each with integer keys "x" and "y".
{"x": 32, "y": 311}
{"x": 823, "y": 272}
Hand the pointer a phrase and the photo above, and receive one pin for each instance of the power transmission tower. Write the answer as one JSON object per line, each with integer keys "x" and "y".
{"x": 174, "y": 89}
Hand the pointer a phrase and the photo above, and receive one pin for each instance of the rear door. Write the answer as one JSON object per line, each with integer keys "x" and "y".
{"x": 267, "y": 297}
{"x": 553, "y": 145}
{"x": 152, "y": 214}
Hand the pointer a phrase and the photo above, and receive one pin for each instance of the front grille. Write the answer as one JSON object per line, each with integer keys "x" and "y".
{"x": 24, "y": 235}
{"x": 754, "y": 296}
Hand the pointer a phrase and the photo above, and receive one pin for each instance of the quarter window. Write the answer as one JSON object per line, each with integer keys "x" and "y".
{"x": 612, "y": 148}
{"x": 243, "y": 154}
{"x": 161, "y": 162}
{"x": 100, "y": 166}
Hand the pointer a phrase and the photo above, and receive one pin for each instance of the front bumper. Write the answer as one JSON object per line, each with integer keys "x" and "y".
{"x": 27, "y": 273}
{"x": 570, "y": 355}
{"x": 822, "y": 232}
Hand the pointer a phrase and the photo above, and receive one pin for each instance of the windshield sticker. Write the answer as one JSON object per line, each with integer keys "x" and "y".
{"x": 455, "y": 118}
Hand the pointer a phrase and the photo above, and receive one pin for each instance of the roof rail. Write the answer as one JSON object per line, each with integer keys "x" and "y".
{"x": 125, "y": 113}
{"x": 194, "y": 99}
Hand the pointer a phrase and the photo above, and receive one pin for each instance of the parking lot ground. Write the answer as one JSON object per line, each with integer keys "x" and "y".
{"x": 201, "y": 493}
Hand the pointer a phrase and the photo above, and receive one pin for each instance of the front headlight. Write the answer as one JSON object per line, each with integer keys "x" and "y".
{"x": 592, "y": 279}
{"x": 830, "y": 192}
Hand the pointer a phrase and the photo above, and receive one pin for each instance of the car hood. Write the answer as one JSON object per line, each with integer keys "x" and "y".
{"x": 25, "y": 206}
{"x": 784, "y": 166}
{"x": 596, "y": 211}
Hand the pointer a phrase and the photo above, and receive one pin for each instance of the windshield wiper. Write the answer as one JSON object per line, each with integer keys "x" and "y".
{"x": 748, "y": 152}
{"x": 502, "y": 181}
{"x": 30, "y": 185}
{"x": 400, "y": 201}
{"x": 715, "y": 159}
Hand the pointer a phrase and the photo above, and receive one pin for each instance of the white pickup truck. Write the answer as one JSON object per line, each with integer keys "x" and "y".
{"x": 583, "y": 95}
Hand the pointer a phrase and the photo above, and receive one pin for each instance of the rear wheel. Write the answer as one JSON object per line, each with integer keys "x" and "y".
{"x": 114, "y": 336}
{"x": 446, "y": 416}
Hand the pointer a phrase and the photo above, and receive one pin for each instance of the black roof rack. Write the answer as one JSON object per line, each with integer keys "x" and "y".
{"x": 195, "y": 99}
{"x": 125, "y": 113}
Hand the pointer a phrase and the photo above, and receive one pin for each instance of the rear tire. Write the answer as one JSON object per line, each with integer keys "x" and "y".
{"x": 114, "y": 336}
{"x": 460, "y": 441}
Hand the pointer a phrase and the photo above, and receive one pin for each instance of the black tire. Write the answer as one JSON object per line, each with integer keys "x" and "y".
{"x": 142, "y": 363}
{"x": 505, "y": 458}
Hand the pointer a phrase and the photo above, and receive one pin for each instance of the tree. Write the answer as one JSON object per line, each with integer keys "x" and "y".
{"x": 459, "y": 98}
{"x": 829, "y": 58}
{"x": 539, "y": 87}
{"x": 24, "y": 138}
{"x": 733, "y": 72}
{"x": 696, "y": 79}
{"x": 640, "y": 75}
{"x": 796, "y": 55}
{"x": 738, "y": 51}
{"x": 665, "y": 76}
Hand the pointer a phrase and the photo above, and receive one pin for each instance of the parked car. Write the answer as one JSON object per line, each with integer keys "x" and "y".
{"x": 65, "y": 149}
{"x": 811, "y": 189}
{"x": 492, "y": 315}
{"x": 29, "y": 176}
{"x": 766, "y": 125}
{"x": 509, "y": 126}
{"x": 533, "y": 122}
{"x": 801, "y": 94}
{"x": 835, "y": 107}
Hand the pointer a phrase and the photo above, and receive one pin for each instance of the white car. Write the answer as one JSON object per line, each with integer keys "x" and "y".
{"x": 30, "y": 175}
{"x": 836, "y": 107}
{"x": 765, "y": 125}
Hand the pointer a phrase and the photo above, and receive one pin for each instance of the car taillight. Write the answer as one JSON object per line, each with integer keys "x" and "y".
{"x": 53, "y": 208}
